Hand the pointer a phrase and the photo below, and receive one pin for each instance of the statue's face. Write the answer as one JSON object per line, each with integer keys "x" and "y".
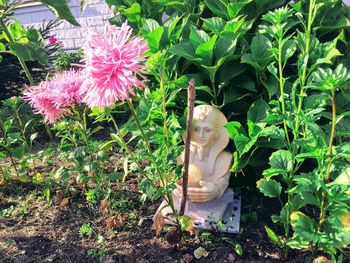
{"x": 203, "y": 132}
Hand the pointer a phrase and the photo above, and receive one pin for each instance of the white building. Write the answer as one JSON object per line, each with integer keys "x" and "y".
{"x": 94, "y": 16}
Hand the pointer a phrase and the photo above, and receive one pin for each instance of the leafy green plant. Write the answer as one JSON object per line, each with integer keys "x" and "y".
{"x": 64, "y": 60}
{"x": 79, "y": 147}
{"x": 307, "y": 167}
{"x": 17, "y": 136}
{"x": 85, "y": 230}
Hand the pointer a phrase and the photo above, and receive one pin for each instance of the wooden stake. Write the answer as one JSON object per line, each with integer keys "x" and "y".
{"x": 191, "y": 96}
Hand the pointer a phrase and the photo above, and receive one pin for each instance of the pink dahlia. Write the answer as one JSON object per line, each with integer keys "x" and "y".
{"x": 112, "y": 64}
{"x": 53, "y": 98}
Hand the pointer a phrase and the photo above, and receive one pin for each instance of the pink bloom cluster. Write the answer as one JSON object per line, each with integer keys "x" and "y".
{"x": 52, "y": 40}
{"x": 53, "y": 98}
{"x": 112, "y": 65}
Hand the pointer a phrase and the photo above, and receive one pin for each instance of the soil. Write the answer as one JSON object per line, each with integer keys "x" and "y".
{"x": 40, "y": 231}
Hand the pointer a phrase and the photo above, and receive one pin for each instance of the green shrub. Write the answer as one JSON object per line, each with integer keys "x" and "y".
{"x": 64, "y": 60}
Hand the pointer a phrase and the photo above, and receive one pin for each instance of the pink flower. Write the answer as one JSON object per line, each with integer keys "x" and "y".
{"x": 53, "y": 98}
{"x": 52, "y": 40}
{"x": 112, "y": 59}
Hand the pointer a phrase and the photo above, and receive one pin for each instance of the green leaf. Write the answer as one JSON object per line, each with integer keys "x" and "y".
{"x": 271, "y": 137}
{"x": 288, "y": 49}
{"x": 205, "y": 50}
{"x": 133, "y": 13}
{"x": 180, "y": 5}
{"x": 245, "y": 82}
{"x": 218, "y": 7}
{"x": 256, "y": 114}
{"x": 17, "y": 32}
{"x": 2, "y": 47}
{"x": 47, "y": 193}
{"x": 269, "y": 188}
{"x": 230, "y": 70}
{"x": 261, "y": 53}
{"x": 234, "y": 25}
{"x": 238, "y": 249}
{"x": 29, "y": 52}
{"x": 242, "y": 142}
{"x": 154, "y": 39}
{"x": 343, "y": 178}
{"x": 83, "y": 4}
{"x": 149, "y": 25}
{"x": 281, "y": 163}
{"x": 272, "y": 235}
{"x": 214, "y": 24}
{"x": 234, "y": 8}
{"x": 305, "y": 228}
{"x": 239, "y": 162}
{"x": 183, "y": 50}
{"x": 33, "y": 35}
{"x": 297, "y": 243}
{"x": 225, "y": 47}
{"x": 198, "y": 37}
{"x": 271, "y": 85}
{"x": 61, "y": 9}
{"x": 248, "y": 59}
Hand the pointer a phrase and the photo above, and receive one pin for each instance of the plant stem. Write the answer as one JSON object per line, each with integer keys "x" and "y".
{"x": 21, "y": 61}
{"x": 7, "y": 150}
{"x": 215, "y": 95}
{"x": 303, "y": 77}
{"x": 190, "y": 102}
{"x": 169, "y": 199}
{"x": 328, "y": 173}
{"x": 281, "y": 84}
{"x": 165, "y": 129}
{"x": 165, "y": 126}
{"x": 145, "y": 139}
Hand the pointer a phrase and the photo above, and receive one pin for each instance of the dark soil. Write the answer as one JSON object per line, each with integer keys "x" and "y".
{"x": 40, "y": 231}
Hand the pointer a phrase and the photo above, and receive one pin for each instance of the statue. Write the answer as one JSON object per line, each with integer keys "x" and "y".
{"x": 209, "y": 198}
{"x": 209, "y": 166}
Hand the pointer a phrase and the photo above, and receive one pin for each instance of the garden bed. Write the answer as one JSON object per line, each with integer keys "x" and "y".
{"x": 40, "y": 231}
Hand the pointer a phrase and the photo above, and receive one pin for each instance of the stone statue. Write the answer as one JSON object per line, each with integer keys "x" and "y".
{"x": 209, "y": 165}
{"x": 210, "y": 201}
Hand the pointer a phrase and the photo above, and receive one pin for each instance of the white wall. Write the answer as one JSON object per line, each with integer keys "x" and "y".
{"x": 94, "y": 16}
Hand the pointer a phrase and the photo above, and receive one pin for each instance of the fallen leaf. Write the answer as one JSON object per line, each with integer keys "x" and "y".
{"x": 103, "y": 205}
{"x": 64, "y": 202}
{"x": 158, "y": 223}
{"x": 173, "y": 236}
{"x": 322, "y": 259}
{"x": 140, "y": 222}
{"x": 231, "y": 257}
{"x": 59, "y": 197}
{"x": 200, "y": 252}
{"x": 187, "y": 258}
{"x": 108, "y": 259}
{"x": 114, "y": 221}
{"x": 145, "y": 163}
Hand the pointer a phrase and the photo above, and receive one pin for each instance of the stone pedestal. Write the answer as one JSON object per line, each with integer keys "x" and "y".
{"x": 221, "y": 214}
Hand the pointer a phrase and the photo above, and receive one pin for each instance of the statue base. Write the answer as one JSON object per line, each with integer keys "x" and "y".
{"x": 222, "y": 214}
